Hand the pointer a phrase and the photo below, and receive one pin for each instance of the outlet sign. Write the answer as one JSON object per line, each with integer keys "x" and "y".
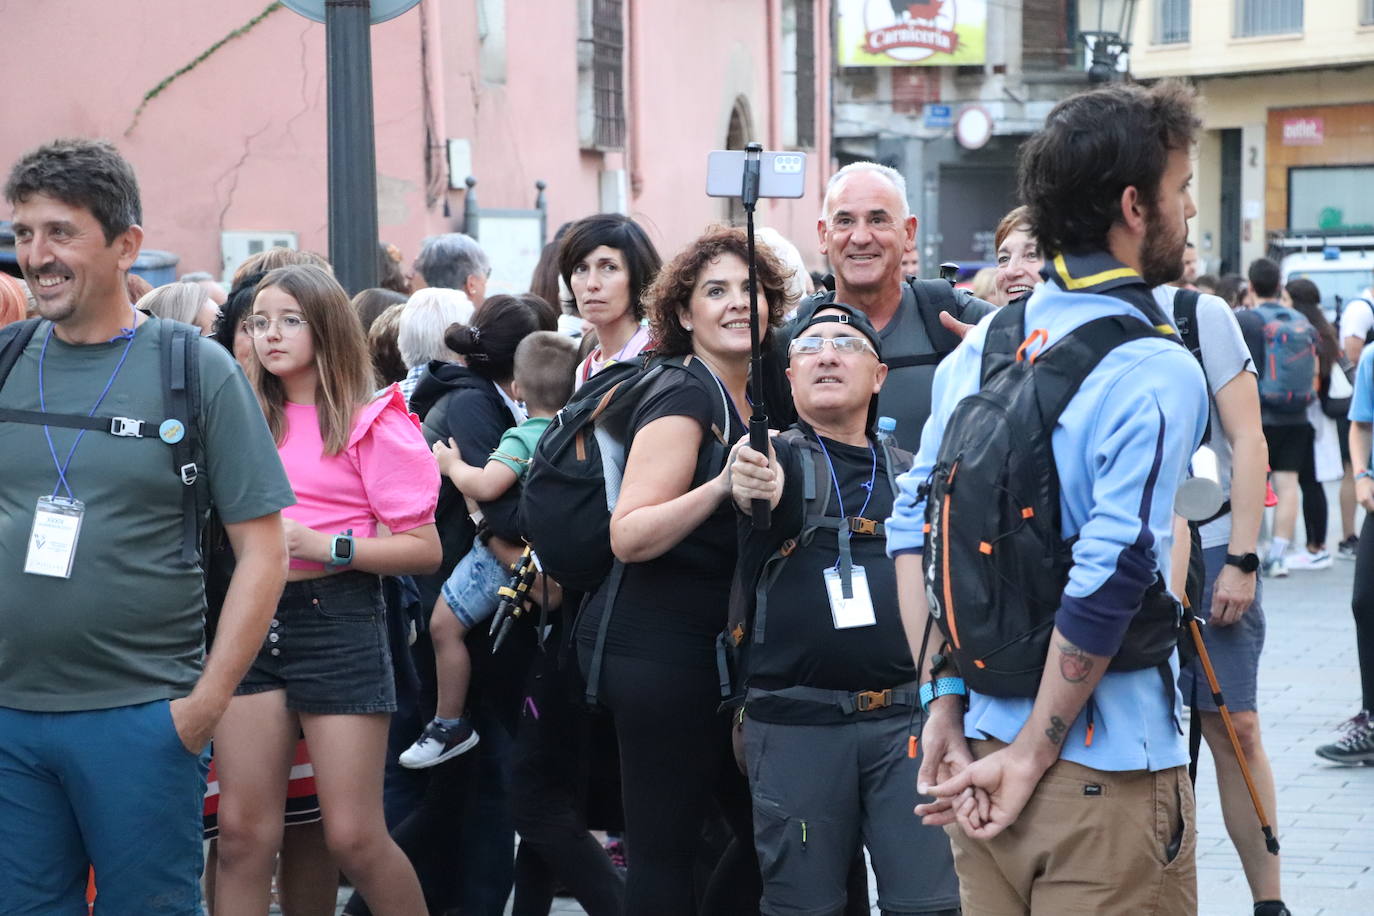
{"x": 1304, "y": 132}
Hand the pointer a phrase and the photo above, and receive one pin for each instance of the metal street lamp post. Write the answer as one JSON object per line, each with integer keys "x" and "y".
{"x": 352, "y": 141}
{"x": 1111, "y": 38}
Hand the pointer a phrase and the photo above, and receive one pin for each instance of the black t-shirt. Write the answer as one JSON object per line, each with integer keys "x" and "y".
{"x": 801, "y": 644}
{"x": 671, "y": 608}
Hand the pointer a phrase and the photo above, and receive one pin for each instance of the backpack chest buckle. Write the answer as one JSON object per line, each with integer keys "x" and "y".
{"x": 123, "y": 426}
{"x": 868, "y": 700}
{"x": 861, "y": 525}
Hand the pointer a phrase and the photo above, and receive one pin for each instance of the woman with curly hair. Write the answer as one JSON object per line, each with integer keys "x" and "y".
{"x": 673, "y": 529}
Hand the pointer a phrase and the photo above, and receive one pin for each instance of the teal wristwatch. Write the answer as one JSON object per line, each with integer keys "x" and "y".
{"x": 341, "y": 550}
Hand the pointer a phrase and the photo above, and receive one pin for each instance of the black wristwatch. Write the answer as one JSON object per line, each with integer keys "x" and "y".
{"x": 1247, "y": 562}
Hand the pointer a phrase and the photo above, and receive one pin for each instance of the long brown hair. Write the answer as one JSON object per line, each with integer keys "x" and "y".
{"x": 346, "y": 381}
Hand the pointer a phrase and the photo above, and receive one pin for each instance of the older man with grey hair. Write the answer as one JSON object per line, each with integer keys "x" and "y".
{"x": 425, "y": 318}
{"x": 453, "y": 261}
{"x": 865, "y": 228}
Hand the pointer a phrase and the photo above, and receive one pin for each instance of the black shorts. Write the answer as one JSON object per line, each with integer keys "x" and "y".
{"x": 1289, "y": 446}
{"x": 327, "y": 648}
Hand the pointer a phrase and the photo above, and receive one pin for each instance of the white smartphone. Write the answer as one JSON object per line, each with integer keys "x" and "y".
{"x": 781, "y": 174}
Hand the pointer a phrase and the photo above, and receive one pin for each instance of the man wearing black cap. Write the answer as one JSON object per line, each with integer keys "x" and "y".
{"x": 827, "y": 678}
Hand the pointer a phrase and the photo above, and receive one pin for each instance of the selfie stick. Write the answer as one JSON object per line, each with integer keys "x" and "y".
{"x": 758, "y": 418}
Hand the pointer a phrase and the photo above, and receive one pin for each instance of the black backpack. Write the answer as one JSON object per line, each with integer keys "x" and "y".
{"x": 995, "y": 562}
{"x": 747, "y": 620}
{"x": 573, "y": 480}
{"x": 180, "y": 350}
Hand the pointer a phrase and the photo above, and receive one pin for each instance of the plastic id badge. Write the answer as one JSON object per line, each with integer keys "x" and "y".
{"x": 52, "y": 543}
{"x": 849, "y": 612}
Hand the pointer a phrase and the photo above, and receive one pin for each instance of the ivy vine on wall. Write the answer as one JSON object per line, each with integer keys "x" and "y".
{"x": 236, "y": 33}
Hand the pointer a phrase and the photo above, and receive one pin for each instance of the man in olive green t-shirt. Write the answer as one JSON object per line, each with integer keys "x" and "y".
{"x": 105, "y": 705}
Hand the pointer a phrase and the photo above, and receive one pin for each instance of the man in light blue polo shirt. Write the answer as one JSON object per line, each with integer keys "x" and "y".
{"x": 1078, "y": 800}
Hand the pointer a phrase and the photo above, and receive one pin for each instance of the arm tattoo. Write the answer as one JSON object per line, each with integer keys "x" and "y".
{"x": 1074, "y": 664}
{"x": 1056, "y": 730}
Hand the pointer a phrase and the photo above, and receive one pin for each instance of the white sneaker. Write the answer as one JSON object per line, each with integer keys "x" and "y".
{"x": 437, "y": 744}
{"x": 1274, "y": 569}
{"x": 1306, "y": 561}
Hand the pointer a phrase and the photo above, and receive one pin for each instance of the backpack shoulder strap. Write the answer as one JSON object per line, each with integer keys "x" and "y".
{"x": 180, "y": 349}
{"x": 815, "y": 502}
{"x": 13, "y": 339}
{"x": 698, "y": 370}
{"x": 932, "y": 298}
{"x": 1185, "y": 317}
{"x": 1061, "y": 370}
{"x": 1005, "y": 334}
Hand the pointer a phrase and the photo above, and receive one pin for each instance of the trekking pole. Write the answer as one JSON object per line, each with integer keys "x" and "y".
{"x": 512, "y": 602}
{"x": 760, "y": 510}
{"x": 1271, "y": 842}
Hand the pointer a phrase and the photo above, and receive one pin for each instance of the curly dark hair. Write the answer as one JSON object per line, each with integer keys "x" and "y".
{"x": 672, "y": 288}
{"x": 1095, "y": 145}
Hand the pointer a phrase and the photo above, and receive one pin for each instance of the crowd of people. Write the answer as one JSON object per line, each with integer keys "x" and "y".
{"x": 331, "y": 575}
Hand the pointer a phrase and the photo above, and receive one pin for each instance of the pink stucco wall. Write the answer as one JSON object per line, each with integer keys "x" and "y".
{"x": 238, "y": 142}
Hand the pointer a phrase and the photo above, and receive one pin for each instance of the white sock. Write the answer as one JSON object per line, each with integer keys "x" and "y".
{"x": 1277, "y": 547}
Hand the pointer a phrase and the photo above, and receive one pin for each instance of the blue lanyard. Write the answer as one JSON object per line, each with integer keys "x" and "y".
{"x": 845, "y": 563}
{"x": 62, "y": 466}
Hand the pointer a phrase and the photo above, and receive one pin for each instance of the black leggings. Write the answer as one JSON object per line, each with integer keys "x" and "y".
{"x": 1315, "y": 514}
{"x": 551, "y": 747}
{"x": 675, "y": 756}
{"x": 1362, "y": 603}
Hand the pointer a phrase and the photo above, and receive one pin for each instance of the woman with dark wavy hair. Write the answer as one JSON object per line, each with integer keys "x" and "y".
{"x": 673, "y": 528}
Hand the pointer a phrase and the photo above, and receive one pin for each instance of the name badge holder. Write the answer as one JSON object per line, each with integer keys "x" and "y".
{"x": 57, "y": 519}
{"x": 846, "y": 585}
{"x": 52, "y": 540}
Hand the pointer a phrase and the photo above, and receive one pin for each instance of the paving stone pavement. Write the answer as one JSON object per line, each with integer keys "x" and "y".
{"x": 1309, "y": 683}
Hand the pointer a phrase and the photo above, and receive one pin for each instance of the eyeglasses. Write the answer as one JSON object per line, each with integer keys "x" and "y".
{"x": 288, "y": 325}
{"x": 845, "y": 346}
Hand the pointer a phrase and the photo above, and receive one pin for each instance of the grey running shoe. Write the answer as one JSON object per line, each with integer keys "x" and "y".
{"x": 1356, "y": 745}
{"x": 1346, "y": 549}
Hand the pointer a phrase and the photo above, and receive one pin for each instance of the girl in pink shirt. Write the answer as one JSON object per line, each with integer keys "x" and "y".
{"x": 358, "y": 463}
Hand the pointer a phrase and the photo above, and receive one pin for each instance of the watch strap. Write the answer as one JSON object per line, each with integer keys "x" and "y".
{"x": 1246, "y": 562}
{"x": 941, "y": 687}
{"x": 335, "y": 558}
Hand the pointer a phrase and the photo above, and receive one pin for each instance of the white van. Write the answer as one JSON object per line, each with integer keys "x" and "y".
{"x": 1341, "y": 266}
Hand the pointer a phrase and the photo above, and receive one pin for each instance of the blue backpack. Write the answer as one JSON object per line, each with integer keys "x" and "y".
{"x": 1286, "y": 380}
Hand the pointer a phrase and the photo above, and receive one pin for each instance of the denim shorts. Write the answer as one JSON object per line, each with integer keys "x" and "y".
{"x": 470, "y": 592}
{"x": 1234, "y": 650}
{"x": 327, "y": 648}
